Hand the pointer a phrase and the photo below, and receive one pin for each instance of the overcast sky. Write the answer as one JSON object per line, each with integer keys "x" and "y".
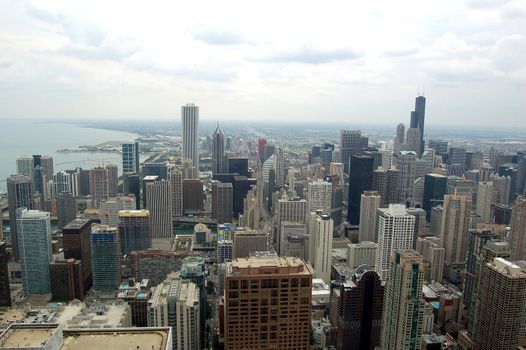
{"x": 356, "y": 61}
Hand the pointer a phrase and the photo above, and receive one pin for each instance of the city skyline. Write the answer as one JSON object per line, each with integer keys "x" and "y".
{"x": 466, "y": 56}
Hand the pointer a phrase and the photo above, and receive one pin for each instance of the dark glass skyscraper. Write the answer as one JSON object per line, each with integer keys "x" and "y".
{"x": 19, "y": 194}
{"x": 218, "y": 151}
{"x": 130, "y": 157}
{"x": 418, "y": 118}
{"x": 360, "y": 180}
{"x": 435, "y": 187}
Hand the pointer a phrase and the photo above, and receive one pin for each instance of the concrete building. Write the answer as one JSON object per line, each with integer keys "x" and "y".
{"x": 34, "y": 239}
{"x": 67, "y": 282}
{"x": 319, "y": 196}
{"x": 190, "y": 127}
{"x": 192, "y": 196}
{"x": 113, "y": 179}
{"x": 291, "y": 210}
{"x": 176, "y": 186}
{"x": 363, "y": 253}
{"x": 224, "y": 250}
{"x": 433, "y": 252}
{"x": 455, "y": 227}
{"x": 98, "y": 185}
{"x": 246, "y": 241}
{"x": 486, "y": 201}
{"x": 272, "y": 281}
{"x": 222, "y": 202}
{"x": 105, "y": 258}
{"x": 66, "y": 209}
{"x": 370, "y": 202}
{"x": 403, "y": 309}
{"x": 405, "y": 164}
{"x": 175, "y": 304}
{"x": 109, "y": 208}
{"x": 134, "y": 230}
{"x": 159, "y": 203}
{"x": 501, "y": 308}
{"x": 395, "y": 231}
{"x": 387, "y": 184}
{"x": 294, "y": 240}
{"x": 351, "y": 143}
{"x": 518, "y": 230}
{"x": 321, "y": 228}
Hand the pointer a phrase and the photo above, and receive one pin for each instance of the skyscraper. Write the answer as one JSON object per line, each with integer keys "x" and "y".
{"x": 105, "y": 258}
{"x": 321, "y": 229}
{"x": 134, "y": 230}
{"x": 454, "y": 227}
{"x": 369, "y": 203}
{"x": 24, "y": 166}
{"x": 403, "y": 312}
{"x": 218, "y": 151}
{"x": 66, "y": 209}
{"x": 76, "y": 238}
{"x": 113, "y": 179}
{"x": 387, "y": 184}
{"x": 284, "y": 284}
{"x": 279, "y": 166}
{"x": 518, "y": 230}
{"x": 501, "y": 308}
{"x": 359, "y": 310}
{"x": 261, "y": 149}
{"x": 193, "y": 269}
{"x": 249, "y": 241}
{"x": 34, "y": 240}
{"x": 176, "y": 185}
{"x": 5, "y": 290}
{"x": 98, "y": 184}
{"x": 435, "y": 186}
{"x": 222, "y": 197}
{"x": 405, "y": 164}
{"x": 159, "y": 203}
{"x": 395, "y": 231}
{"x": 413, "y": 141}
{"x": 19, "y": 194}
{"x": 190, "y": 126}
{"x": 351, "y": 143}
{"x": 418, "y": 118}
{"x": 433, "y": 253}
{"x": 486, "y": 200}
{"x": 360, "y": 180}
{"x": 130, "y": 157}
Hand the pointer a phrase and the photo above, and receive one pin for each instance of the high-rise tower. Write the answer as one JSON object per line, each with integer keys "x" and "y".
{"x": 130, "y": 157}
{"x": 19, "y": 194}
{"x": 218, "y": 151}
{"x": 418, "y": 118}
{"x": 190, "y": 125}
{"x": 360, "y": 180}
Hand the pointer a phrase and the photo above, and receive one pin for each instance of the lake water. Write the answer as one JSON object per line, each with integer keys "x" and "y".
{"x": 28, "y": 137}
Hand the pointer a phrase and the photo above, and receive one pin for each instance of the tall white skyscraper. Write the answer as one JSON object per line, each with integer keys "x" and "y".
{"x": 370, "y": 201}
{"x": 319, "y": 196}
{"x": 486, "y": 200}
{"x": 320, "y": 244}
{"x": 190, "y": 125}
{"x": 395, "y": 231}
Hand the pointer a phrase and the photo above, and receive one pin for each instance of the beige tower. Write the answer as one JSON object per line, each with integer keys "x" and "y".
{"x": 455, "y": 227}
{"x": 518, "y": 230}
{"x": 369, "y": 203}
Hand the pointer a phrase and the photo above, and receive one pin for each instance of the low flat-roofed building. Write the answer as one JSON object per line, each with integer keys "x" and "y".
{"x": 52, "y": 336}
{"x": 116, "y": 314}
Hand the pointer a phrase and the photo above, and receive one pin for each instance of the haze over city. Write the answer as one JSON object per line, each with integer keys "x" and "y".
{"x": 299, "y": 61}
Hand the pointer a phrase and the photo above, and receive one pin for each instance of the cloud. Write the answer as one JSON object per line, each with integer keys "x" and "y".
{"x": 219, "y": 37}
{"x": 487, "y": 3}
{"x": 509, "y": 53}
{"x": 113, "y": 48}
{"x": 310, "y": 56}
{"x": 5, "y": 64}
{"x": 402, "y": 52}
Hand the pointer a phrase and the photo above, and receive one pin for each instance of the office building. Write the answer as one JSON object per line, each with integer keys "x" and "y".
{"x": 5, "y": 290}
{"x": 295, "y": 240}
{"x": 19, "y": 194}
{"x": 222, "y": 197}
{"x": 109, "y": 208}
{"x": 76, "y": 243}
{"x": 358, "y": 314}
{"x": 360, "y": 180}
{"x": 403, "y": 309}
{"x": 135, "y": 231}
{"x": 418, "y": 119}
{"x": 66, "y": 209}
{"x": 25, "y": 166}
{"x": 98, "y": 184}
{"x": 131, "y": 183}
{"x": 369, "y": 203}
{"x": 387, "y": 184}
{"x": 351, "y": 143}
{"x": 246, "y": 241}
{"x": 175, "y": 304}
{"x": 190, "y": 127}
{"x": 176, "y": 182}
{"x": 279, "y": 166}
{"x": 34, "y": 239}
{"x": 455, "y": 226}
{"x": 439, "y": 146}
{"x": 395, "y": 231}
{"x": 321, "y": 229}
{"x": 113, "y": 179}
{"x": 503, "y": 214}
{"x": 501, "y": 308}
{"x": 435, "y": 186}
{"x": 159, "y": 204}
{"x": 192, "y": 196}
{"x": 261, "y": 149}
{"x": 413, "y": 141}
{"x": 518, "y": 230}
{"x": 224, "y": 250}
{"x": 130, "y": 157}
{"x": 237, "y": 165}
{"x": 105, "y": 258}
{"x": 291, "y": 210}
{"x": 456, "y": 155}
{"x": 433, "y": 252}
{"x": 159, "y": 169}
{"x": 363, "y": 253}
{"x": 405, "y": 164}
{"x": 486, "y": 200}
{"x": 420, "y": 223}
{"x": 319, "y": 196}
{"x": 67, "y": 282}
{"x": 285, "y": 285}
{"x": 218, "y": 151}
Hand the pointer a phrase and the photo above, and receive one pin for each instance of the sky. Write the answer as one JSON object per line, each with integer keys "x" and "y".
{"x": 341, "y": 61}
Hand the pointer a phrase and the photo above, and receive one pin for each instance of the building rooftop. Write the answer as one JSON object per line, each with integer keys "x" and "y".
{"x": 76, "y": 224}
{"x": 134, "y": 213}
{"x": 117, "y": 339}
{"x": 269, "y": 265}
{"x": 27, "y": 336}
